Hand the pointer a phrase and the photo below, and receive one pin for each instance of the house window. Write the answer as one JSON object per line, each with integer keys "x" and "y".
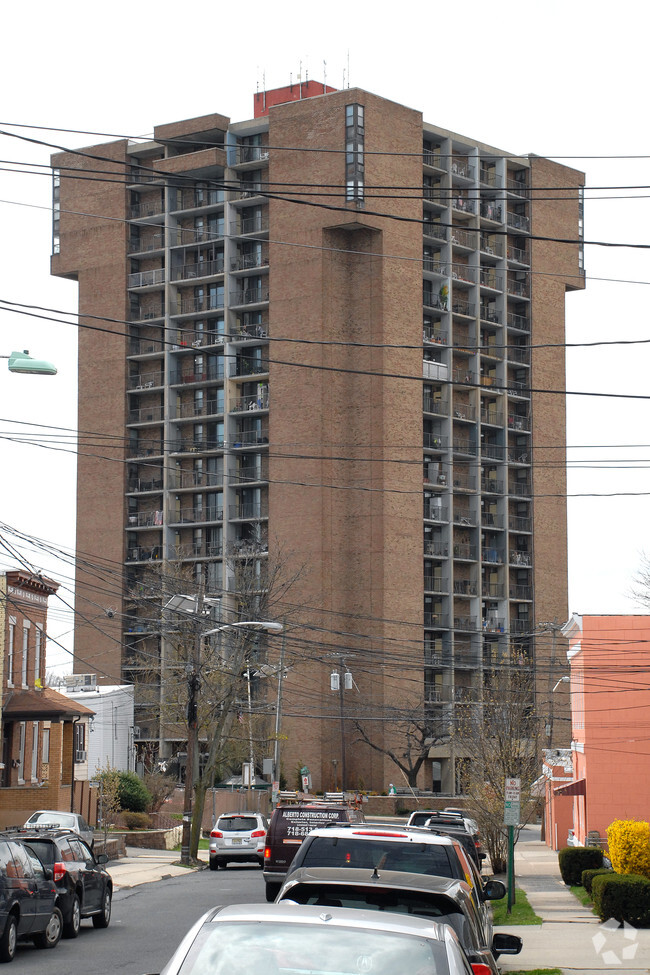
{"x": 34, "y": 770}
{"x": 25, "y": 653}
{"x": 80, "y": 741}
{"x": 10, "y": 651}
{"x": 38, "y": 634}
{"x": 45, "y": 753}
{"x": 21, "y": 751}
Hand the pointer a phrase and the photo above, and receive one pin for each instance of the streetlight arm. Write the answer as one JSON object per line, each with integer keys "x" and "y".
{"x": 268, "y": 625}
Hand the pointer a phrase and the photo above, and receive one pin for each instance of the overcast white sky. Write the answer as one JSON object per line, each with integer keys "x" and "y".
{"x": 555, "y": 78}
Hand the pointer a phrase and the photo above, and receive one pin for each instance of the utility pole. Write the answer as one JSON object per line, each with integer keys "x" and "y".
{"x": 278, "y": 719}
{"x": 193, "y": 684}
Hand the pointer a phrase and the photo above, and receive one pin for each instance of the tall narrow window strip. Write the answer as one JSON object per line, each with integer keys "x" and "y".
{"x": 354, "y": 144}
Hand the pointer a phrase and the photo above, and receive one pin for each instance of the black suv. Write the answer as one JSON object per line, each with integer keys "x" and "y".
{"x": 84, "y": 886}
{"x": 28, "y": 900}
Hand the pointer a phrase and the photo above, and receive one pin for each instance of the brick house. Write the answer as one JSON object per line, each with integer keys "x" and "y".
{"x": 607, "y": 774}
{"x": 43, "y": 732}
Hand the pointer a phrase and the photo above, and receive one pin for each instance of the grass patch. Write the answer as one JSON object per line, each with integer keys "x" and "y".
{"x": 585, "y": 898}
{"x": 522, "y": 912}
{"x": 538, "y": 971}
{"x": 204, "y": 844}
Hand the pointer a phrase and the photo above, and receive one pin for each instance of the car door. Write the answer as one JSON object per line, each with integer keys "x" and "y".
{"x": 44, "y": 891}
{"x": 21, "y": 880}
{"x": 91, "y": 876}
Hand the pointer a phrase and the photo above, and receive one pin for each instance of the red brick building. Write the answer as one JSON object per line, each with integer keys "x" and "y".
{"x": 41, "y": 729}
{"x": 330, "y": 335}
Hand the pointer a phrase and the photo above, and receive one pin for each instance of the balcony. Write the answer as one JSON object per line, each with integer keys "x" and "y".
{"x": 183, "y": 377}
{"x": 250, "y": 154}
{"x": 520, "y": 488}
{"x": 148, "y": 208}
{"x": 487, "y": 176}
{"x": 192, "y": 410}
{"x": 517, "y": 186}
{"x": 463, "y": 205}
{"x": 463, "y": 482}
{"x": 435, "y": 230}
{"x": 433, "y": 441}
{"x": 521, "y": 558}
{"x": 186, "y": 236}
{"x": 201, "y": 269}
{"x": 144, "y": 245}
{"x": 491, "y": 211}
{"x": 494, "y": 624}
{"x": 491, "y": 519}
{"x": 517, "y": 255}
{"x": 490, "y": 246}
{"x": 192, "y": 516}
{"x": 245, "y": 367}
{"x": 436, "y": 549}
{"x": 518, "y": 353}
{"x": 517, "y": 221}
{"x": 432, "y": 335}
{"x": 249, "y": 296}
{"x": 519, "y": 289}
{"x": 519, "y": 626}
{"x": 463, "y": 551}
{"x": 460, "y": 167}
{"x": 493, "y": 590}
{"x": 145, "y": 519}
{"x": 463, "y": 274}
{"x": 250, "y": 225}
{"x": 460, "y": 306}
{"x": 431, "y": 404}
{"x": 436, "y": 584}
{"x": 434, "y": 370}
{"x": 463, "y": 411}
{"x": 518, "y": 456}
{"x": 192, "y": 304}
{"x": 491, "y": 485}
{"x": 518, "y": 524}
{"x": 491, "y": 417}
{"x": 246, "y": 262}
{"x": 462, "y": 445}
{"x": 147, "y": 414}
{"x": 490, "y": 279}
{"x": 465, "y": 623}
{"x": 492, "y": 451}
{"x": 146, "y": 279}
{"x": 139, "y": 554}
{"x": 437, "y": 513}
{"x": 144, "y": 485}
{"x": 521, "y": 592}
{"x": 520, "y": 322}
{"x": 491, "y": 555}
{"x": 147, "y": 380}
{"x": 463, "y": 587}
{"x": 246, "y": 404}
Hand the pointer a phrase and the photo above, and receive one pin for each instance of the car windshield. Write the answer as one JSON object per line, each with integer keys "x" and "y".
{"x": 334, "y": 851}
{"x": 232, "y": 824}
{"x": 52, "y": 819}
{"x": 253, "y": 948}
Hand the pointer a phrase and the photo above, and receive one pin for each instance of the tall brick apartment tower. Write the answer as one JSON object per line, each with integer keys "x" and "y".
{"x": 330, "y": 338}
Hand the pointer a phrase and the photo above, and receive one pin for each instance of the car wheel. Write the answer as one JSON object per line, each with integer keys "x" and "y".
{"x": 221, "y": 863}
{"x": 260, "y": 861}
{"x": 272, "y": 891}
{"x": 71, "y": 927}
{"x": 9, "y": 939}
{"x": 103, "y": 919}
{"x": 52, "y": 934}
{"x": 214, "y": 863}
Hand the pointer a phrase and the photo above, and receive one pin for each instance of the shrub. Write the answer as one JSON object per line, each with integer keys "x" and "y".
{"x": 629, "y": 846}
{"x": 625, "y": 897}
{"x": 136, "y": 820}
{"x": 588, "y": 876}
{"x": 160, "y": 787}
{"x": 574, "y": 859}
{"x": 134, "y": 795}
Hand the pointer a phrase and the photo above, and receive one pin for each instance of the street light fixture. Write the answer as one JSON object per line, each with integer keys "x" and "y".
{"x": 23, "y": 362}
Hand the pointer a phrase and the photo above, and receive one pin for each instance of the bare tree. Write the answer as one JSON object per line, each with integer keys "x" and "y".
{"x": 499, "y": 738}
{"x": 406, "y": 738}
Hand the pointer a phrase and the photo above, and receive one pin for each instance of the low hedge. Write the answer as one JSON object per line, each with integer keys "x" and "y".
{"x": 136, "y": 820}
{"x": 588, "y": 876}
{"x": 623, "y": 896}
{"x": 574, "y": 859}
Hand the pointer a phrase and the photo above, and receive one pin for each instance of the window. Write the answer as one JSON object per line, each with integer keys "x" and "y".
{"x": 45, "y": 754}
{"x": 21, "y": 751}
{"x": 34, "y": 771}
{"x": 354, "y": 144}
{"x": 10, "y": 651}
{"x": 80, "y": 741}
{"x": 25, "y": 653}
{"x": 37, "y": 653}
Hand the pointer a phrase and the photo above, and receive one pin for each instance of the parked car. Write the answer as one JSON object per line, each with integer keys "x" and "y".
{"x": 282, "y": 939}
{"x": 290, "y": 823}
{"x": 238, "y": 837}
{"x": 28, "y": 900}
{"x": 63, "y": 820}
{"x": 438, "y": 899}
{"x": 465, "y": 830}
{"x": 84, "y": 886}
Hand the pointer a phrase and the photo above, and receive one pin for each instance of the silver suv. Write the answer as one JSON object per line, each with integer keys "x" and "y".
{"x": 238, "y": 837}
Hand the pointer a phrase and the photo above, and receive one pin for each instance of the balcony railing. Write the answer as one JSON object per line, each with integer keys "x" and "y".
{"x": 436, "y": 584}
{"x": 145, "y": 519}
{"x": 491, "y": 555}
{"x": 434, "y": 336}
{"x": 190, "y": 516}
{"x": 520, "y": 289}
{"x": 521, "y": 592}
{"x": 460, "y": 306}
{"x": 465, "y": 518}
{"x": 249, "y": 296}
{"x": 438, "y": 549}
{"x": 250, "y": 225}
{"x": 491, "y": 485}
{"x": 491, "y": 211}
{"x": 487, "y": 176}
{"x": 490, "y": 279}
{"x": 494, "y": 625}
{"x": 518, "y": 524}
{"x": 519, "y": 626}
{"x": 144, "y": 485}
{"x": 146, "y": 380}
{"x": 493, "y": 590}
{"x": 216, "y": 371}
{"x": 249, "y": 367}
{"x": 516, "y": 221}
{"x": 434, "y": 441}
{"x": 250, "y": 403}
{"x": 142, "y": 245}
{"x": 521, "y": 558}
{"x": 518, "y": 321}
{"x": 139, "y": 554}
{"x": 432, "y": 405}
{"x": 465, "y": 623}
{"x": 518, "y": 456}
{"x": 492, "y": 417}
{"x": 147, "y": 414}
{"x": 148, "y": 208}
{"x": 518, "y": 353}
{"x": 462, "y": 445}
{"x": 462, "y": 205}
{"x": 518, "y": 255}
{"x": 462, "y": 482}
{"x": 491, "y": 520}
{"x": 461, "y": 167}
{"x": 463, "y": 411}
{"x": 494, "y": 248}
{"x": 198, "y": 235}
{"x": 520, "y": 489}
{"x": 144, "y": 279}
{"x": 435, "y": 230}
{"x": 437, "y": 513}
{"x": 463, "y": 587}
{"x": 461, "y": 272}
{"x": 492, "y": 451}
{"x": 192, "y": 410}
{"x": 516, "y": 186}
{"x": 201, "y": 269}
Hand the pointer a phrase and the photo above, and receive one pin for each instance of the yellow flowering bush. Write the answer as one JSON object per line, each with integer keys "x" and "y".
{"x": 629, "y": 846}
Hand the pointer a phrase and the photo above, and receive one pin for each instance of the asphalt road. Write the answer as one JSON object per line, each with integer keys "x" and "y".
{"x": 148, "y": 923}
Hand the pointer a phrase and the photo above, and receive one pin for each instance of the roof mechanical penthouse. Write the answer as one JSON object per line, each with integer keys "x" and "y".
{"x": 416, "y": 382}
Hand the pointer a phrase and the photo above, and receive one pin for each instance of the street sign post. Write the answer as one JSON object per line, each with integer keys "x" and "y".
{"x": 511, "y": 818}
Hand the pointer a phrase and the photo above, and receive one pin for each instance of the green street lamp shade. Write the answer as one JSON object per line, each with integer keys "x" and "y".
{"x": 23, "y": 362}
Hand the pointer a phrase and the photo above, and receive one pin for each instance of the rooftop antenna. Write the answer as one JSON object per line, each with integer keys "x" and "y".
{"x": 291, "y": 80}
{"x": 324, "y": 76}
{"x": 264, "y": 87}
{"x": 348, "y": 67}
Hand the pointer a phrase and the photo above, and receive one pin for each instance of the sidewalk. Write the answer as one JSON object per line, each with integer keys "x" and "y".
{"x": 571, "y": 937}
{"x": 145, "y": 866}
